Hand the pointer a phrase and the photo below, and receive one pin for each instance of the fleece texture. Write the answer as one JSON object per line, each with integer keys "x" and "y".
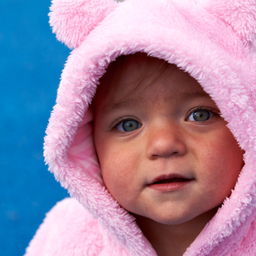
{"x": 215, "y": 42}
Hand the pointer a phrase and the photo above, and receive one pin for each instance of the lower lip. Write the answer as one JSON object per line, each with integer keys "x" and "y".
{"x": 171, "y": 186}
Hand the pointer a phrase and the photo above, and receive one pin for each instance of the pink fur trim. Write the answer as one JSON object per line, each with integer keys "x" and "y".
{"x": 72, "y": 21}
{"x": 239, "y": 14}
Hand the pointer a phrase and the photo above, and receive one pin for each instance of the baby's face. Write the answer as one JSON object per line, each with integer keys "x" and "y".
{"x": 165, "y": 152}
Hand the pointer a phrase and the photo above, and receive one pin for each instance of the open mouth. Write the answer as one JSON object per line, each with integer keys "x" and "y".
{"x": 170, "y": 182}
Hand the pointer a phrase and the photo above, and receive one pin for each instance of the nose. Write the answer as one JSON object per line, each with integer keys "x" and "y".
{"x": 165, "y": 140}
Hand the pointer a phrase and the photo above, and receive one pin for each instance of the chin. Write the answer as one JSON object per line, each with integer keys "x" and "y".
{"x": 171, "y": 221}
{"x": 202, "y": 218}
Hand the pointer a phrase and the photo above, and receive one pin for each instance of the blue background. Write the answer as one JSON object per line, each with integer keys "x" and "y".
{"x": 30, "y": 67}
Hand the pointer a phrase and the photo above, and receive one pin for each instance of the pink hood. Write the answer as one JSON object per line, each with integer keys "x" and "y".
{"x": 213, "y": 40}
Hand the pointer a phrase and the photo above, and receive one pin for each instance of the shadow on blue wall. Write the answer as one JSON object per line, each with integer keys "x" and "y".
{"x": 30, "y": 67}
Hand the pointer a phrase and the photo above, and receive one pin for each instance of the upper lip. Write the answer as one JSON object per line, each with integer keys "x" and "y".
{"x": 169, "y": 177}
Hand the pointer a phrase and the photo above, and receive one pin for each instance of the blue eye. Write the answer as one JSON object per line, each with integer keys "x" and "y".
{"x": 128, "y": 125}
{"x": 200, "y": 115}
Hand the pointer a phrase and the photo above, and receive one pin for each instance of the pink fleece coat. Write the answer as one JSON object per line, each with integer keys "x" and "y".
{"x": 215, "y": 42}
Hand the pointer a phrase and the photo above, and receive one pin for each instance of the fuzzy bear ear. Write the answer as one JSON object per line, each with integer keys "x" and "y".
{"x": 239, "y": 14}
{"x": 72, "y": 20}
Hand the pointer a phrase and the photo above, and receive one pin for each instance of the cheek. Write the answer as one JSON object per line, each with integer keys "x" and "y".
{"x": 223, "y": 161}
{"x": 230, "y": 154}
{"x": 118, "y": 166}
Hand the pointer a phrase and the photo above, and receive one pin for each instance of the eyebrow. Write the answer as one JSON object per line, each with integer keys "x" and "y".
{"x": 200, "y": 94}
{"x": 135, "y": 102}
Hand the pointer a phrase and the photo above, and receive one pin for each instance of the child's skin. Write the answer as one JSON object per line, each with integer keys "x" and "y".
{"x": 165, "y": 152}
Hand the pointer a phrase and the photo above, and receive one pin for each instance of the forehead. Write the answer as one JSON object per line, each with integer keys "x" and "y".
{"x": 141, "y": 77}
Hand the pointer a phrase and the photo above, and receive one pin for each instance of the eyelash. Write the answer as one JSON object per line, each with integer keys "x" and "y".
{"x": 121, "y": 119}
{"x": 198, "y": 108}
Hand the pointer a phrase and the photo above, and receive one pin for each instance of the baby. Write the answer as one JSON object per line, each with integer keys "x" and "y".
{"x": 165, "y": 152}
{"x": 153, "y": 133}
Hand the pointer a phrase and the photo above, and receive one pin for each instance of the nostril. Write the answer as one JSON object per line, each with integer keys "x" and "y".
{"x": 165, "y": 154}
